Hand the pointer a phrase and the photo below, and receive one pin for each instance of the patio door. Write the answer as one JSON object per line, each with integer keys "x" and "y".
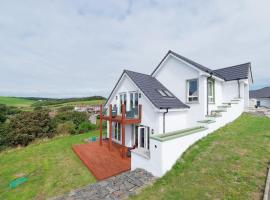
{"x": 143, "y": 137}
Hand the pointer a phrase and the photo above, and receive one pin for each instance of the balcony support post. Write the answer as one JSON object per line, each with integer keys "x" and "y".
{"x": 110, "y": 128}
{"x": 100, "y": 125}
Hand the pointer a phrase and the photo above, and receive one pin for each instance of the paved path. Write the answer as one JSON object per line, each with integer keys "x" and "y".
{"x": 259, "y": 111}
{"x": 117, "y": 187}
{"x": 267, "y": 187}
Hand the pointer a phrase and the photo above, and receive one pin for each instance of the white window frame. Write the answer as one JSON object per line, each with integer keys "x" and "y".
{"x": 133, "y": 100}
{"x": 121, "y": 98}
{"x": 116, "y": 136}
{"x": 146, "y": 137}
{"x": 192, "y": 96}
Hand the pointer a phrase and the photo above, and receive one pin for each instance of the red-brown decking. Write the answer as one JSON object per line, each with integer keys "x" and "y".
{"x": 100, "y": 161}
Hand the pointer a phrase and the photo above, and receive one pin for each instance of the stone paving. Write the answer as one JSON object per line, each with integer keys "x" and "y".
{"x": 259, "y": 111}
{"x": 114, "y": 188}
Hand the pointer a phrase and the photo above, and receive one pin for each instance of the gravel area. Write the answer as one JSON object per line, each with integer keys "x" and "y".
{"x": 114, "y": 188}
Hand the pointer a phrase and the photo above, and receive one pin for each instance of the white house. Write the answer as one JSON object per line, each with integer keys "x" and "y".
{"x": 261, "y": 97}
{"x": 160, "y": 115}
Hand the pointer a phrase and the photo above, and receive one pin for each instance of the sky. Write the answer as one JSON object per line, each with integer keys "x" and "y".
{"x": 73, "y": 48}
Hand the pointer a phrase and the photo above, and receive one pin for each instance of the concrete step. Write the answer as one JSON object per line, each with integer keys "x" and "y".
{"x": 224, "y": 106}
{"x": 206, "y": 121}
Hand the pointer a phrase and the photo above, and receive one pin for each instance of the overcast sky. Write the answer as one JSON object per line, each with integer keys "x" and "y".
{"x": 55, "y": 48}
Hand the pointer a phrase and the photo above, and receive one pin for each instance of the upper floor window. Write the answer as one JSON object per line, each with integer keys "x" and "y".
{"x": 123, "y": 100}
{"x": 211, "y": 90}
{"x": 192, "y": 90}
{"x": 134, "y": 100}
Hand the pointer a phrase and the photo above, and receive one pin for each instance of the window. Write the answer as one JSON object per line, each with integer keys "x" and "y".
{"x": 123, "y": 100}
{"x": 211, "y": 90}
{"x": 192, "y": 90}
{"x": 165, "y": 93}
{"x": 134, "y": 100}
{"x": 117, "y": 132}
{"x": 162, "y": 93}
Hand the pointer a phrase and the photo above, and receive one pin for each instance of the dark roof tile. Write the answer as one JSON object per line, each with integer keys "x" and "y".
{"x": 150, "y": 86}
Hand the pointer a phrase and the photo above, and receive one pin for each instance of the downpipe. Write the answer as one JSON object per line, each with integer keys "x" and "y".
{"x": 164, "y": 121}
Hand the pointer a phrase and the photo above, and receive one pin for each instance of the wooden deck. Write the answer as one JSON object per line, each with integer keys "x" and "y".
{"x": 100, "y": 161}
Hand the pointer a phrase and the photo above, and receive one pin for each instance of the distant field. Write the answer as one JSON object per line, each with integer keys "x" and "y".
{"x": 16, "y": 101}
{"x": 28, "y": 105}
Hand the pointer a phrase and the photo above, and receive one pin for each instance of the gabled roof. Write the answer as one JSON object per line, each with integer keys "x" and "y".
{"x": 261, "y": 93}
{"x": 197, "y": 65}
{"x": 236, "y": 72}
{"x": 150, "y": 86}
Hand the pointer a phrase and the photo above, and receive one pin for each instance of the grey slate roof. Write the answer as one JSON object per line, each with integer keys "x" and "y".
{"x": 149, "y": 86}
{"x": 236, "y": 72}
{"x": 261, "y": 93}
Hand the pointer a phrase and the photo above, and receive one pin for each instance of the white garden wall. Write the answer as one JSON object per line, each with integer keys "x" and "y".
{"x": 164, "y": 154}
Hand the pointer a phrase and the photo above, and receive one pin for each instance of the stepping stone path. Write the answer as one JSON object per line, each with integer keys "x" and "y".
{"x": 114, "y": 188}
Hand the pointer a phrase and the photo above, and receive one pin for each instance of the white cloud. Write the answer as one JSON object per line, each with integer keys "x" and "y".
{"x": 79, "y": 48}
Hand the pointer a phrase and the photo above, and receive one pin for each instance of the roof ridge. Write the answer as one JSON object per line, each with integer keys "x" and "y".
{"x": 233, "y": 66}
{"x": 126, "y": 70}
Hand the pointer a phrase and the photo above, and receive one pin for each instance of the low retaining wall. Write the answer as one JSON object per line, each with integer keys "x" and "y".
{"x": 164, "y": 154}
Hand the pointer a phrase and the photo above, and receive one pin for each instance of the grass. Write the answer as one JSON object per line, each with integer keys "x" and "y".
{"x": 53, "y": 167}
{"x": 16, "y": 101}
{"x": 228, "y": 164}
{"x": 26, "y": 104}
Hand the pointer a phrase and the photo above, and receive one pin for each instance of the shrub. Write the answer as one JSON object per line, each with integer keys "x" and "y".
{"x": 86, "y": 126}
{"x": 27, "y": 126}
{"x": 66, "y": 108}
{"x": 66, "y": 128}
{"x": 76, "y": 117}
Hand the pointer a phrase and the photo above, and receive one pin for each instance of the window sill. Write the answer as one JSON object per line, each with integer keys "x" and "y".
{"x": 194, "y": 102}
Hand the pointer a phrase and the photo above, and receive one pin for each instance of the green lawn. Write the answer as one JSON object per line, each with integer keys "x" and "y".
{"x": 16, "y": 101}
{"x": 53, "y": 167}
{"x": 229, "y": 164}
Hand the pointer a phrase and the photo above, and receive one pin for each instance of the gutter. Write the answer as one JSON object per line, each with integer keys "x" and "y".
{"x": 164, "y": 121}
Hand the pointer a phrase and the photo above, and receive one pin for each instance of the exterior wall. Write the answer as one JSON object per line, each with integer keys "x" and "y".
{"x": 230, "y": 91}
{"x": 218, "y": 96}
{"x": 174, "y": 120}
{"x": 163, "y": 155}
{"x": 174, "y": 76}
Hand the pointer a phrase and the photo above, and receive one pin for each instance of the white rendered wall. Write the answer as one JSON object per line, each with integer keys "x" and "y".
{"x": 164, "y": 154}
{"x": 218, "y": 96}
{"x": 174, "y": 75}
{"x": 230, "y": 90}
{"x": 174, "y": 120}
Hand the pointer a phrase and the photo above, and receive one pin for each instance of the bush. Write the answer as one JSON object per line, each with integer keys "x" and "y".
{"x": 65, "y": 108}
{"x": 86, "y": 126}
{"x": 4, "y": 136}
{"x": 76, "y": 117}
{"x": 66, "y": 128}
{"x": 27, "y": 126}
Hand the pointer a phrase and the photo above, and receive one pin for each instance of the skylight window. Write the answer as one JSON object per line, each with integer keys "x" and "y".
{"x": 165, "y": 93}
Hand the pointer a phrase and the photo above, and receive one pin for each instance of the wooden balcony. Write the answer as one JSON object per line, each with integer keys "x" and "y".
{"x": 124, "y": 119}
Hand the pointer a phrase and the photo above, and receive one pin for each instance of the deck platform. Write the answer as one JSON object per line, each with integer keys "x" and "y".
{"x": 100, "y": 161}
